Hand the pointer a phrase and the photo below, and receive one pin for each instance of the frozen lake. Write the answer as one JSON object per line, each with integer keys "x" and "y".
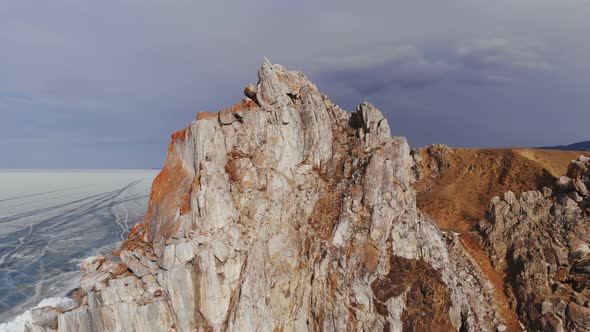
{"x": 50, "y": 220}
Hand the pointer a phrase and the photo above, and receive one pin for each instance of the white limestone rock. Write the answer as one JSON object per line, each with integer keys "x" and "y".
{"x": 90, "y": 279}
{"x": 285, "y": 215}
{"x": 184, "y": 252}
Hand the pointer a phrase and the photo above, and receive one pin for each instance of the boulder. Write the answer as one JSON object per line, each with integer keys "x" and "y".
{"x": 67, "y": 305}
{"x": 579, "y": 317}
{"x": 576, "y": 169}
{"x": 565, "y": 184}
{"x": 184, "y": 252}
{"x": 226, "y": 117}
{"x": 580, "y": 187}
{"x": 45, "y": 317}
{"x": 90, "y": 279}
{"x": 140, "y": 267}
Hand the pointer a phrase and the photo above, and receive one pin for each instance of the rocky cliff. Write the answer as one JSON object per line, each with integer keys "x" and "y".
{"x": 284, "y": 213}
{"x": 541, "y": 239}
{"x": 532, "y": 245}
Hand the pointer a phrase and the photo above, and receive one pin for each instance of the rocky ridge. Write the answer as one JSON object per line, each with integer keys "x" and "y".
{"x": 283, "y": 212}
{"x": 541, "y": 239}
{"x": 455, "y": 185}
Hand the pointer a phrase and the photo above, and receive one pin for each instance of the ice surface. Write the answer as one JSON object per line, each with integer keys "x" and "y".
{"x": 51, "y": 220}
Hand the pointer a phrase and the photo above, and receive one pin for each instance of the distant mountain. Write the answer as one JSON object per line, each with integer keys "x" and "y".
{"x": 580, "y": 146}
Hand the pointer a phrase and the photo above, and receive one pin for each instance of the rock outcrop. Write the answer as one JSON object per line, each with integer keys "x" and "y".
{"x": 431, "y": 161}
{"x": 284, "y": 213}
{"x": 542, "y": 240}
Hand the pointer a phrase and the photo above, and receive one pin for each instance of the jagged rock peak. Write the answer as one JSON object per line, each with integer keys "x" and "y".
{"x": 284, "y": 212}
{"x": 284, "y": 124}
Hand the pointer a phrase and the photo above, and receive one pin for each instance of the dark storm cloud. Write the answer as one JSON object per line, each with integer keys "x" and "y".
{"x": 497, "y": 61}
{"x": 500, "y": 54}
{"x": 480, "y": 62}
{"x": 103, "y": 84}
{"x": 403, "y": 66}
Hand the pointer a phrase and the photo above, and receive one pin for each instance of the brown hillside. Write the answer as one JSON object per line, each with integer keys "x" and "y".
{"x": 457, "y": 184}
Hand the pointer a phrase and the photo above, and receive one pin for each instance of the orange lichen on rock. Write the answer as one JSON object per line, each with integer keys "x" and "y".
{"x": 206, "y": 115}
{"x": 237, "y": 109}
{"x": 232, "y": 170}
{"x": 186, "y": 204}
{"x": 131, "y": 245}
{"x": 371, "y": 257}
{"x": 166, "y": 198}
{"x": 186, "y": 199}
{"x": 179, "y": 136}
{"x": 244, "y": 105}
{"x": 136, "y": 233}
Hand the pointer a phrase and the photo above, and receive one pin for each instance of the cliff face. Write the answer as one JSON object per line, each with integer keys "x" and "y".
{"x": 283, "y": 212}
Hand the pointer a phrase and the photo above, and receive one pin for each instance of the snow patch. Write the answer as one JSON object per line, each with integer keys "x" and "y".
{"x": 18, "y": 323}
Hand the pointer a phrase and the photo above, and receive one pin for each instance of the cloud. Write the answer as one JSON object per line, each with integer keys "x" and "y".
{"x": 480, "y": 62}
{"x": 16, "y": 97}
{"x": 482, "y": 79}
{"x": 147, "y": 70}
{"x": 375, "y": 70}
{"x": 497, "y": 61}
{"x": 500, "y": 54}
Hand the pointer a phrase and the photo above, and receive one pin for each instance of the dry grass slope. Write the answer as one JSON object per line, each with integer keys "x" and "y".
{"x": 458, "y": 197}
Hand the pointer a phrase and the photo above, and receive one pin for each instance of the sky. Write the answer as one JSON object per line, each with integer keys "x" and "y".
{"x": 103, "y": 84}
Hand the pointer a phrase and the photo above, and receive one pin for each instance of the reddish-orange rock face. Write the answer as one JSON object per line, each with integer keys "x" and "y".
{"x": 186, "y": 199}
{"x": 243, "y": 106}
{"x": 136, "y": 233}
{"x": 179, "y": 136}
{"x": 172, "y": 188}
{"x": 170, "y": 192}
{"x": 206, "y": 115}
